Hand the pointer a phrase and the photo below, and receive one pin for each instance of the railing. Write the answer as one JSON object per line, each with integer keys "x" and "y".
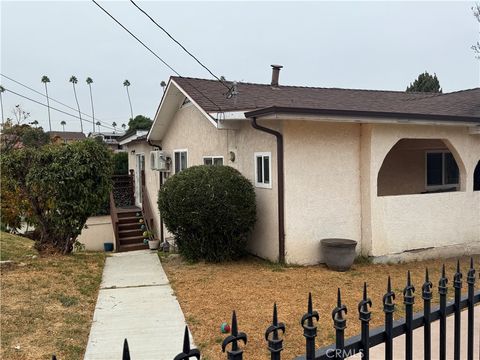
{"x": 367, "y": 339}
{"x": 123, "y": 190}
{"x": 114, "y": 217}
{"x": 148, "y": 214}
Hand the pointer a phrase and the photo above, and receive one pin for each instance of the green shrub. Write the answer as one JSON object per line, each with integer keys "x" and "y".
{"x": 63, "y": 185}
{"x": 210, "y": 210}
{"x": 120, "y": 163}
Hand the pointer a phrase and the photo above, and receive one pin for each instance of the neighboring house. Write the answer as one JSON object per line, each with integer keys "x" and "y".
{"x": 109, "y": 138}
{"x": 65, "y": 137}
{"x": 395, "y": 171}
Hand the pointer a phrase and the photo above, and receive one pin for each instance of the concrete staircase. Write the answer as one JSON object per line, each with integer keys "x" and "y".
{"x": 130, "y": 231}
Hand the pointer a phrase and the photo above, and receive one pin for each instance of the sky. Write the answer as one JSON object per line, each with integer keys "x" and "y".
{"x": 362, "y": 45}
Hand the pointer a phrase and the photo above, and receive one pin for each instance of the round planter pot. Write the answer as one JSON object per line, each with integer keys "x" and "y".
{"x": 108, "y": 246}
{"x": 153, "y": 244}
{"x": 338, "y": 253}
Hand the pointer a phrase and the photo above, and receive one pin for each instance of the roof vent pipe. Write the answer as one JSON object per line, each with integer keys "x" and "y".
{"x": 275, "y": 74}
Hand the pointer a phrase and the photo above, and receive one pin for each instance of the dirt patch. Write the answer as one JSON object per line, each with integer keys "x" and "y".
{"x": 47, "y": 301}
{"x": 209, "y": 292}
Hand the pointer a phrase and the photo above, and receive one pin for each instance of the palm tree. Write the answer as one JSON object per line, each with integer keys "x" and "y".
{"x": 46, "y": 80}
{"x": 2, "y": 89}
{"x": 114, "y": 124}
{"x": 34, "y": 123}
{"x": 126, "y": 83}
{"x": 163, "y": 84}
{"x": 124, "y": 126}
{"x": 74, "y": 80}
{"x": 98, "y": 124}
{"x": 89, "y": 83}
{"x": 63, "y": 123}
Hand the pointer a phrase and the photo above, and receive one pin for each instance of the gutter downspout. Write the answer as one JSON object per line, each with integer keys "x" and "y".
{"x": 281, "y": 190}
{"x": 162, "y": 240}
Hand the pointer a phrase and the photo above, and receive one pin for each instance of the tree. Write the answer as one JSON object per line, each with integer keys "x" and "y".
{"x": 126, "y": 83}
{"x": 63, "y": 123}
{"x": 63, "y": 186}
{"x": 114, "y": 124}
{"x": 2, "y": 89}
{"x": 140, "y": 122}
{"x": 20, "y": 115}
{"x": 210, "y": 210}
{"x": 163, "y": 84}
{"x": 476, "y": 13}
{"x": 124, "y": 127}
{"x": 74, "y": 80}
{"x": 45, "y": 80}
{"x": 425, "y": 83}
{"x": 98, "y": 125}
{"x": 34, "y": 123}
{"x": 89, "y": 83}
{"x": 18, "y": 136}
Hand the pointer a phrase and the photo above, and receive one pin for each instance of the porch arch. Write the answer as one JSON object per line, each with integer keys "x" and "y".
{"x": 421, "y": 166}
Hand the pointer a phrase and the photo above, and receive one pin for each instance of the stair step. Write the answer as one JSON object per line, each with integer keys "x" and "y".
{"x": 133, "y": 213}
{"x": 132, "y": 247}
{"x": 130, "y": 226}
{"x": 129, "y": 220}
{"x": 130, "y": 232}
{"x": 131, "y": 240}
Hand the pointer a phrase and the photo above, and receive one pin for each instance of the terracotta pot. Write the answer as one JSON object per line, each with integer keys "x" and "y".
{"x": 338, "y": 253}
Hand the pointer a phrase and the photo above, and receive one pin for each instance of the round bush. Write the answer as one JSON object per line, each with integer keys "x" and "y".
{"x": 210, "y": 210}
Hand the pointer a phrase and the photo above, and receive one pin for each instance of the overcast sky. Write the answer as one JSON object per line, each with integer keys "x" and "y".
{"x": 369, "y": 45}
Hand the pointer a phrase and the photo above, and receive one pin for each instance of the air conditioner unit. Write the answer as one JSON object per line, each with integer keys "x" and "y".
{"x": 158, "y": 161}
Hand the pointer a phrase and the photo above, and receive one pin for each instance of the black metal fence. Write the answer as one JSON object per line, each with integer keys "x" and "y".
{"x": 361, "y": 344}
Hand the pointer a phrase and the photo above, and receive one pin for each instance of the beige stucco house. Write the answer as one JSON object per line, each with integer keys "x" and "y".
{"x": 398, "y": 172}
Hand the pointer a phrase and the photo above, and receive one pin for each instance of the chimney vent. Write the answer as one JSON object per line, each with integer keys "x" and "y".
{"x": 275, "y": 74}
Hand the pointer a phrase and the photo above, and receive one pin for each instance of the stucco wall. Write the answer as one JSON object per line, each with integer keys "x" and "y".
{"x": 99, "y": 230}
{"x": 322, "y": 186}
{"x": 408, "y": 222}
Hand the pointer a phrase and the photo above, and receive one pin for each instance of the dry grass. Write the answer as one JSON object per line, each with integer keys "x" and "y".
{"x": 47, "y": 302}
{"x": 209, "y": 292}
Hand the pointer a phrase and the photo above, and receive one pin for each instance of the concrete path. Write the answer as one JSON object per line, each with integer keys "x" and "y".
{"x": 135, "y": 302}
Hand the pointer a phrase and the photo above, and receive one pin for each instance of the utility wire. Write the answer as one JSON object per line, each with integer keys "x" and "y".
{"x": 57, "y": 101}
{"x": 51, "y": 107}
{"x": 179, "y": 44}
{"x": 155, "y": 54}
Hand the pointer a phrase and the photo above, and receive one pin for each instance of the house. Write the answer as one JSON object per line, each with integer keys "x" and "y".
{"x": 109, "y": 138}
{"x": 398, "y": 172}
{"x": 66, "y": 137}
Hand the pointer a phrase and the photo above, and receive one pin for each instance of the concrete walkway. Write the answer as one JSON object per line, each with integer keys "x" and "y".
{"x": 135, "y": 302}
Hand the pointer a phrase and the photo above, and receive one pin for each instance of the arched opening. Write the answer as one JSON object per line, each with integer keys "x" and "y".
{"x": 476, "y": 177}
{"x": 419, "y": 166}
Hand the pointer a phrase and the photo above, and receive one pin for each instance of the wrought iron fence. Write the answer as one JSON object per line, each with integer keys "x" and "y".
{"x": 361, "y": 344}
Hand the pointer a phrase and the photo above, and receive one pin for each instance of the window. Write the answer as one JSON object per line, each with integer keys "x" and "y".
{"x": 441, "y": 170}
{"x": 213, "y": 160}
{"x": 180, "y": 159}
{"x": 263, "y": 169}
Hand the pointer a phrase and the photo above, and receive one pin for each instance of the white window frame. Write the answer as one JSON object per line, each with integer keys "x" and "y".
{"x": 174, "y": 163}
{"x": 213, "y": 157}
{"x": 263, "y": 154}
{"x": 443, "y": 186}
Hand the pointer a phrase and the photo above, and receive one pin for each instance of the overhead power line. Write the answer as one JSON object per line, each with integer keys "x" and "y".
{"x": 102, "y": 122}
{"x": 179, "y": 44}
{"x": 155, "y": 54}
{"x": 51, "y": 107}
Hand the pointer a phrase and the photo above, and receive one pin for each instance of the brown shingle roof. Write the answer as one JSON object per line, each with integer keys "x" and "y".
{"x": 67, "y": 135}
{"x": 211, "y": 96}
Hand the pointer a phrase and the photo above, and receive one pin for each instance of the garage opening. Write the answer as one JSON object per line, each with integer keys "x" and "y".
{"x": 419, "y": 166}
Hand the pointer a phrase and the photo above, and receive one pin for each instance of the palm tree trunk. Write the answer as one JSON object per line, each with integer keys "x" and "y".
{"x": 91, "y": 102}
{"x": 1, "y": 104}
{"x": 130, "y": 102}
{"x": 78, "y": 106}
{"x": 63, "y": 126}
{"x": 48, "y": 107}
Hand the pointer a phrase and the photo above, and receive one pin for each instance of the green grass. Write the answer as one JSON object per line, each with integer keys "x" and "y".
{"x": 15, "y": 248}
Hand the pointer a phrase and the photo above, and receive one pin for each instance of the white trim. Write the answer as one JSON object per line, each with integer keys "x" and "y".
{"x": 173, "y": 158}
{"x": 138, "y": 179}
{"x": 442, "y": 186}
{"x": 262, "y": 154}
{"x": 133, "y": 137}
{"x": 213, "y": 157}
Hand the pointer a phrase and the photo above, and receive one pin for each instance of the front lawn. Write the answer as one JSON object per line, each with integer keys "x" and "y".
{"x": 209, "y": 292}
{"x": 47, "y": 301}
